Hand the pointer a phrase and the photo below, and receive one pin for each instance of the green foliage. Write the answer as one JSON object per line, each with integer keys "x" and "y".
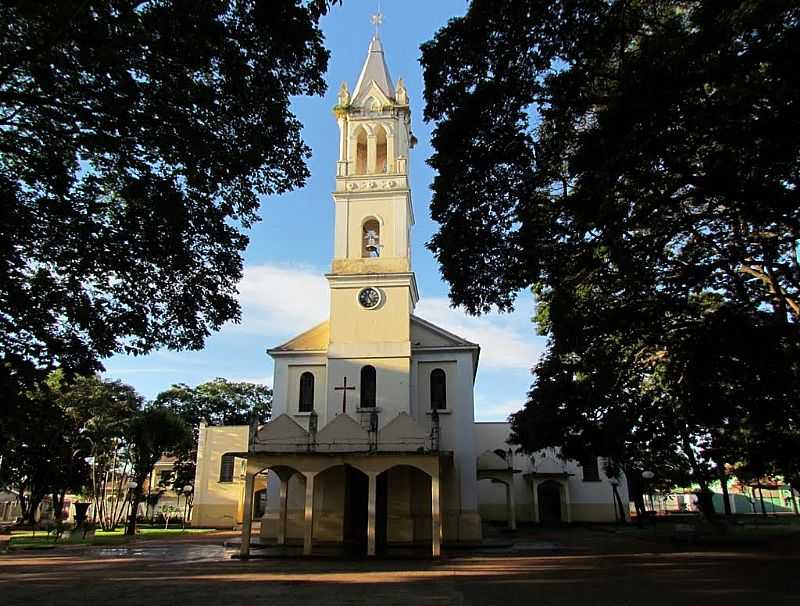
{"x": 152, "y": 433}
{"x": 136, "y": 139}
{"x": 63, "y": 434}
{"x": 632, "y": 160}
{"x": 217, "y": 402}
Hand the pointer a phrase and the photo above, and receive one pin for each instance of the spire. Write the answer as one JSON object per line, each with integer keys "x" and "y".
{"x": 374, "y": 70}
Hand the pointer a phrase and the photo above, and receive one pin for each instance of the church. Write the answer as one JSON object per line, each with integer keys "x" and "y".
{"x": 373, "y": 440}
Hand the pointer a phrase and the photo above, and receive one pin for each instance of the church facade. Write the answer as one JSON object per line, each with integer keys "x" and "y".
{"x": 373, "y": 439}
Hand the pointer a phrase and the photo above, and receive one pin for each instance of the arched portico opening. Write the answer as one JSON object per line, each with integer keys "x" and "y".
{"x": 403, "y": 514}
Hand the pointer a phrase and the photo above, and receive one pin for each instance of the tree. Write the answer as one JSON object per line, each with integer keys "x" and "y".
{"x": 136, "y": 138}
{"x": 217, "y": 402}
{"x": 152, "y": 433}
{"x": 65, "y": 436}
{"x": 630, "y": 161}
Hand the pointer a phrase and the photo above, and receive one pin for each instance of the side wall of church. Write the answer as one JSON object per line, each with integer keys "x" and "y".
{"x": 590, "y": 501}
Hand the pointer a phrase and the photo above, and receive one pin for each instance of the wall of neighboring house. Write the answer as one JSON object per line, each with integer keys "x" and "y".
{"x": 219, "y": 504}
{"x": 589, "y": 501}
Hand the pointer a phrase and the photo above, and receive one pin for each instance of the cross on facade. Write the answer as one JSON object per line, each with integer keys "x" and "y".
{"x": 344, "y": 389}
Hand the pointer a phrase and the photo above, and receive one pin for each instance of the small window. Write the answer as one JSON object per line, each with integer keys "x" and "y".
{"x": 368, "y": 387}
{"x": 591, "y": 469}
{"x": 306, "y": 403}
{"x": 438, "y": 389}
{"x": 226, "y": 468}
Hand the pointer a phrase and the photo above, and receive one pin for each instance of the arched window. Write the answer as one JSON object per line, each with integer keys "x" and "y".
{"x": 361, "y": 151}
{"x": 306, "y": 392}
{"x": 380, "y": 151}
{"x": 368, "y": 387}
{"x": 371, "y": 238}
{"x": 438, "y": 389}
{"x": 226, "y": 468}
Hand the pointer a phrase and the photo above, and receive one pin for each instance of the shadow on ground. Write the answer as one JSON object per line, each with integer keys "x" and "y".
{"x": 581, "y": 567}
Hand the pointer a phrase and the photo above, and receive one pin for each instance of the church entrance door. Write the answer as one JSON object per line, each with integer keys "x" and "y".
{"x": 549, "y": 496}
{"x": 356, "y": 497}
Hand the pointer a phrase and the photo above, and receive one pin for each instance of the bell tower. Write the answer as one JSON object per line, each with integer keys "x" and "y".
{"x": 373, "y": 199}
{"x": 373, "y": 290}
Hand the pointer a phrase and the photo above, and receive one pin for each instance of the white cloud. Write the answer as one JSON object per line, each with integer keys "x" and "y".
{"x": 281, "y": 301}
{"x": 506, "y": 340}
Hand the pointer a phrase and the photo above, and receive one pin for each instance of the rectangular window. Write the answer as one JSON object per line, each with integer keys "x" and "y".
{"x": 591, "y": 469}
{"x": 164, "y": 477}
{"x": 226, "y": 468}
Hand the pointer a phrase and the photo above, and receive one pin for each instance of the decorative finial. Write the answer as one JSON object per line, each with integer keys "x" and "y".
{"x": 377, "y": 20}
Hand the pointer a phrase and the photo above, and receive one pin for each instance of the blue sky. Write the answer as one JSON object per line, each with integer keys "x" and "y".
{"x": 284, "y": 291}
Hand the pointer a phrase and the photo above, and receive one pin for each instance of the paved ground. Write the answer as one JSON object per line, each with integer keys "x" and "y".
{"x": 575, "y": 567}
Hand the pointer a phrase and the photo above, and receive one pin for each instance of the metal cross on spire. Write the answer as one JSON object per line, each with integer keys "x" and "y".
{"x": 377, "y": 20}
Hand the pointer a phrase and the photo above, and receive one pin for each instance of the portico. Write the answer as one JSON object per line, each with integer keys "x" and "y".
{"x": 310, "y": 466}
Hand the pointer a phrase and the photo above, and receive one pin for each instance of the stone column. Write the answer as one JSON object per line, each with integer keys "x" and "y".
{"x": 309, "y": 513}
{"x": 247, "y": 520}
{"x": 436, "y": 517}
{"x": 512, "y": 513}
{"x": 284, "y": 504}
{"x": 534, "y": 501}
{"x": 373, "y": 481}
{"x": 567, "y": 501}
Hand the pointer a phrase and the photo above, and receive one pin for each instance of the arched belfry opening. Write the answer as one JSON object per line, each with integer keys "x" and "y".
{"x": 361, "y": 151}
{"x": 381, "y": 157}
{"x": 371, "y": 238}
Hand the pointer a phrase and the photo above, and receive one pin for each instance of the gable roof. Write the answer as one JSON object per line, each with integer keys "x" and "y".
{"x": 427, "y": 334}
{"x": 314, "y": 339}
{"x": 374, "y": 70}
{"x": 343, "y": 434}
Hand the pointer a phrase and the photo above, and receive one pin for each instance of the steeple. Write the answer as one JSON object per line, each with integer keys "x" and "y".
{"x": 374, "y": 70}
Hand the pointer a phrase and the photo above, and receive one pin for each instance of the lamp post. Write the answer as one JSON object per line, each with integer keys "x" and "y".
{"x": 187, "y": 493}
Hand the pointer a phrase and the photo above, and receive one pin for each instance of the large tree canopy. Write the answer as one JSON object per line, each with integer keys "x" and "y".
{"x": 135, "y": 139}
{"x": 635, "y": 163}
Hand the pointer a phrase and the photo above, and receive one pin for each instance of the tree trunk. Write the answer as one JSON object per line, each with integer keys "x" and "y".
{"x": 723, "y": 482}
{"x": 617, "y": 498}
{"x": 705, "y": 500}
{"x": 635, "y": 494}
{"x": 135, "y": 498}
{"x": 761, "y": 499}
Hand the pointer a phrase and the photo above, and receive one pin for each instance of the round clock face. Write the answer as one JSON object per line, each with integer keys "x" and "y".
{"x": 369, "y": 297}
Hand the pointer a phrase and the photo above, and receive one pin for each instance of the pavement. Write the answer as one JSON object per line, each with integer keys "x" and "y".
{"x": 573, "y": 566}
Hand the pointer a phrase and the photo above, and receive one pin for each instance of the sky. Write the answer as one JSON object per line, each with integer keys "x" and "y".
{"x": 284, "y": 291}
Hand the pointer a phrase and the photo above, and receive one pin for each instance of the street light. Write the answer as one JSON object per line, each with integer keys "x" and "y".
{"x": 187, "y": 491}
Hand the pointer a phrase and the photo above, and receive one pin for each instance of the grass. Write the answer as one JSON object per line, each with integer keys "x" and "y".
{"x": 27, "y": 539}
